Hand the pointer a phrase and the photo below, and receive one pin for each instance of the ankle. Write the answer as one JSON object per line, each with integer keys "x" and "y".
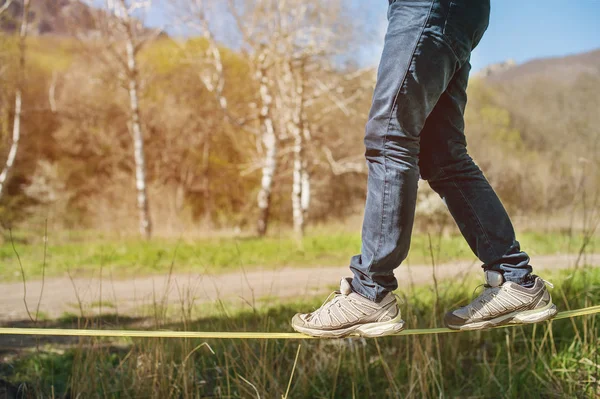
{"x": 526, "y": 282}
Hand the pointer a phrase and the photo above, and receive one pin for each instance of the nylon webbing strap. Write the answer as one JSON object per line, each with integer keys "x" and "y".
{"x": 230, "y": 335}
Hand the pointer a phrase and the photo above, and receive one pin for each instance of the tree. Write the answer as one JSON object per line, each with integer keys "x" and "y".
{"x": 195, "y": 14}
{"x": 5, "y": 6}
{"x": 292, "y": 45}
{"x": 313, "y": 35}
{"x": 208, "y": 59}
{"x": 16, "y": 134}
{"x": 299, "y": 131}
{"x": 123, "y": 31}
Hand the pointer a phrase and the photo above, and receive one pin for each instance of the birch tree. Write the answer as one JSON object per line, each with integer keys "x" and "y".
{"x": 314, "y": 33}
{"x": 125, "y": 36}
{"x": 16, "y": 130}
{"x": 124, "y": 14}
{"x": 295, "y": 84}
{"x": 286, "y": 41}
{"x": 263, "y": 64}
{"x": 269, "y": 141}
{"x": 279, "y": 36}
{"x": 5, "y": 6}
{"x": 194, "y": 14}
{"x": 253, "y": 28}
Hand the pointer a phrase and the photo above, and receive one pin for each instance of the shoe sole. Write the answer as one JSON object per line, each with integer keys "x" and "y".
{"x": 520, "y": 317}
{"x": 367, "y": 330}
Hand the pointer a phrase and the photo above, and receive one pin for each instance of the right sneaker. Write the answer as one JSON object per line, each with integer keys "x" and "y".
{"x": 504, "y": 302}
{"x": 350, "y": 314}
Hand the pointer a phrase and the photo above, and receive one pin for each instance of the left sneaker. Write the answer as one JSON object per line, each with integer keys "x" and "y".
{"x": 504, "y": 302}
{"x": 349, "y": 313}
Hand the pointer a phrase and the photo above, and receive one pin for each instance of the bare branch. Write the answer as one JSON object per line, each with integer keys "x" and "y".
{"x": 5, "y": 6}
{"x": 52, "y": 92}
{"x": 213, "y": 77}
{"x": 345, "y": 165}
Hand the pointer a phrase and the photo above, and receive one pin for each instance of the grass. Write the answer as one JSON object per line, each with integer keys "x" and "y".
{"x": 551, "y": 360}
{"x": 84, "y": 253}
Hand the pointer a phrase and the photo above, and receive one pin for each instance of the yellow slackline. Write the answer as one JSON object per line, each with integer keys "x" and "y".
{"x": 231, "y": 335}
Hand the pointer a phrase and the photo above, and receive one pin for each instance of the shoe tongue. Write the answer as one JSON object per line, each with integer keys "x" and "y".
{"x": 494, "y": 279}
{"x": 345, "y": 286}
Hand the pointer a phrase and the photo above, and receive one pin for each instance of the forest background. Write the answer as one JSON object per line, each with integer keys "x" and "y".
{"x": 123, "y": 128}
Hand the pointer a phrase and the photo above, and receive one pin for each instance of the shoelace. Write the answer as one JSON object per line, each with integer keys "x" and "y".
{"x": 484, "y": 297}
{"x": 336, "y": 295}
{"x": 488, "y": 292}
{"x": 548, "y": 283}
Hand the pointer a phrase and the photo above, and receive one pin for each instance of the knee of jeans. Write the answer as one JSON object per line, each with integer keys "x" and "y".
{"x": 463, "y": 166}
{"x": 398, "y": 148}
{"x": 375, "y": 134}
{"x": 434, "y": 170}
{"x": 430, "y": 168}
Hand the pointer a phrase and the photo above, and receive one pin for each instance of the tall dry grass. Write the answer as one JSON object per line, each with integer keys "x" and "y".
{"x": 559, "y": 359}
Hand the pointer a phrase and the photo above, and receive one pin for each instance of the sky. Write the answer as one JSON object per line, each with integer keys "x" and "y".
{"x": 519, "y": 29}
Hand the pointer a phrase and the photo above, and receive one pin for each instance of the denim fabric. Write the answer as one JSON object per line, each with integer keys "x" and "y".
{"x": 416, "y": 129}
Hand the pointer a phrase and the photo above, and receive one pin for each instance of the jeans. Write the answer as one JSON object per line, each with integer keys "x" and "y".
{"x": 416, "y": 128}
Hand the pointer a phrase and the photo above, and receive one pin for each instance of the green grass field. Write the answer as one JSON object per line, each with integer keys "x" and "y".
{"x": 83, "y": 253}
{"x": 560, "y": 359}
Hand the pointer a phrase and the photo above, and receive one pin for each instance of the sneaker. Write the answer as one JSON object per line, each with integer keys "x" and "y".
{"x": 504, "y": 302}
{"x": 349, "y": 313}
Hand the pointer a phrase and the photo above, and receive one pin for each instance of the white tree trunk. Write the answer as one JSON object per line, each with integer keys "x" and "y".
{"x": 138, "y": 143}
{"x": 206, "y": 194}
{"x": 269, "y": 141}
{"x": 16, "y": 136}
{"x": 300, "y": 133}
{"x": 12, "y": 154}
{"x": 5, "y": 6}
{"x": 296, "y": 85}
{"x": 305, "y": 198}
{"x": 297, "y": 211}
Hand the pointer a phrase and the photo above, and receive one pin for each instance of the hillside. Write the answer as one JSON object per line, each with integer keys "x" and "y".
{"x": 48, "y": 17}
{"x": 560, "y": 68}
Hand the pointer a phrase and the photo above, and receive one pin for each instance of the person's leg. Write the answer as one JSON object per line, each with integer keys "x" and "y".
{"x": 422, "y": 52}
{"x": 512, "y": 294}
{"x": 451, "y": 172}
{"x": 418, "y": 62}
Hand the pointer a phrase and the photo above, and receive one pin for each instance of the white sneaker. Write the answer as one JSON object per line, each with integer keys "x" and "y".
{"x": 349, "y": 313}
{"x": 504, "y": 302}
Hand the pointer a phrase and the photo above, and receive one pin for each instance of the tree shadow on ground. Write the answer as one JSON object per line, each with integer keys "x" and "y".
{"x": 13, "y": 344}
{"x": 247, "y": 321}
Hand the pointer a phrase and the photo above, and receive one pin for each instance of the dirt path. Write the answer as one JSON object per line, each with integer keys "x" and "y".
{"x": 60, "y": 295}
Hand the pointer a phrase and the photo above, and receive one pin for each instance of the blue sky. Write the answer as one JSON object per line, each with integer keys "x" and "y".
{"x": 528, "y": 29}
{"x": 519, "y": 29}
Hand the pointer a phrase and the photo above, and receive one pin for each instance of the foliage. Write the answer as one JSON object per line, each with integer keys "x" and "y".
{"x": 536, "y": 141}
